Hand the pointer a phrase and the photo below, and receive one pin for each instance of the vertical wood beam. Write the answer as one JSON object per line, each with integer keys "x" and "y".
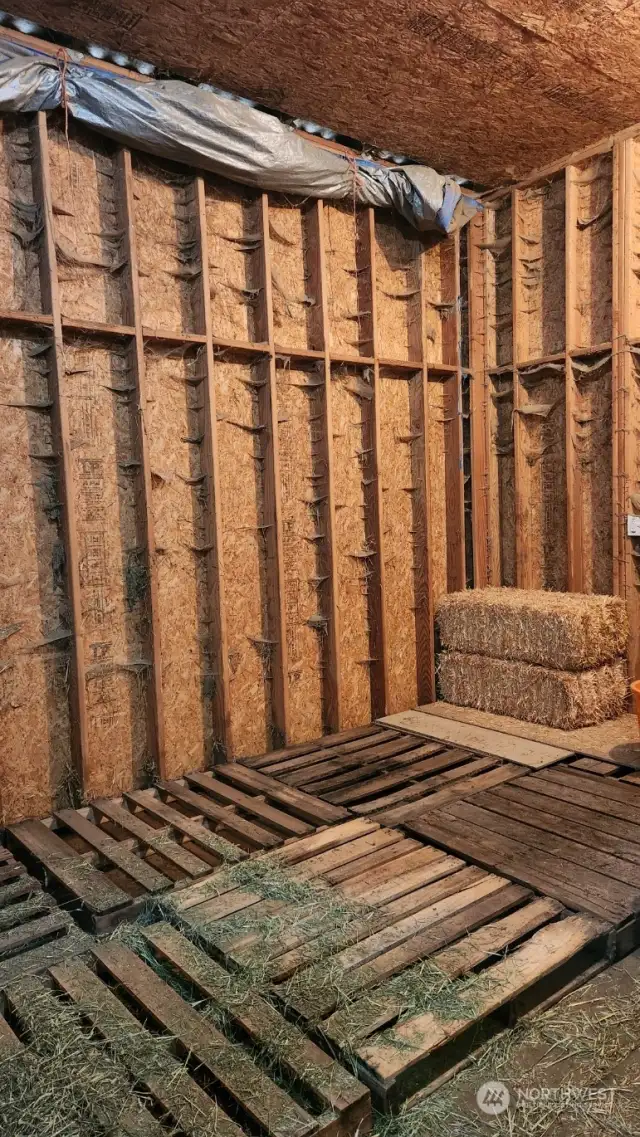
{"x": 575, "y": 560}
{"x": 61, "y": 426}
{"x": 524, "y": 533}
{"x": 479, "y": 399}
{"x": 268, "y": 399}
{"x": 214, "y": 538}
{"x": 377, "y": 609}
{"x": 134, "y": 318}
{"x": 425, "y": 615}
{"x": 329, "y": 569}
{"x": 454, "y": 443}
{"x": 626, "y": 580}
{"x": 494, "y": 521}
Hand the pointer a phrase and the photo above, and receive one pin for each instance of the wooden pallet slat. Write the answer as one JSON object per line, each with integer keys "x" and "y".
{"x": 344, "y": 976}
{"x": 152, "y": 1065}
{"x": 624, "y": 835}
{"x": 146, "y": 841}
{"x": 438, "y": 769}
{"x": 301, "y": 804}
{"x": 309, "y": 997}
{"x": 329, "y": 1083}
{"x": 113, "y": 851}
{"x": 34, "y": 931}
{"x": 577, "y": 887}
{"x": 245, "y": 831}
{"x": 51, "y": 857}
{"x": 20, "y": 889}
{"x": 184, "y": 862}
{"x": 210, "y": 1061}
{"x": 402, "y": 766}
{"x": 512, "y": 801}
{"x": 149, "y": 802}
{"x": 354, "y": 1023}
{"x": 379, "y": 856}
{"x": 400, "y": 1061}
{"x": 585, "y": 794}
{"x": 479, "y": 778}
{"x": 385, "y": 777}
{"x": 38, "y": 1011}
{"x": 9, "y": 872}
{"x": 479, "y": 739}
{"x": 254, "y": 806}
{"x": 262, "y": 761}
{"x": 578, "y": 853}
{"x": 266, "y": 1103}
{"x": 297, "y": 852}
{"x": 317, "y": 778}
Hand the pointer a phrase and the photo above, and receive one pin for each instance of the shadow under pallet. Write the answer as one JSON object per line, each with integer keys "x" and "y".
{"x": 397, "y": 957}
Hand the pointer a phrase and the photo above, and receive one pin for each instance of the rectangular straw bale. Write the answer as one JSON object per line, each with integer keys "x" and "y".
{"x": 563, "y": 699}
{"x": 566, "y": 630}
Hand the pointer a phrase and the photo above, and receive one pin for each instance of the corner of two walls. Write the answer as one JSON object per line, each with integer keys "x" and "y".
{"x": 554, "y": 334}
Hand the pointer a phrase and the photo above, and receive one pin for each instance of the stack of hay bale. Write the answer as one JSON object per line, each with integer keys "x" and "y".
{"x": 554, "y": 658}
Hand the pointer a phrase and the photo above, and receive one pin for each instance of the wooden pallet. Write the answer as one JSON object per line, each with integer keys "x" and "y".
{"x": 200, "y": 1066}
{"x": 34, "y": 931}
{"x": 386, "y": 774}
{"x": 107, "y": 859}
{"x": 572, "y": 833}
{"x": 397, "y": 904}
{"x": 494, "y": 743}
{"x": 606, "y": 765}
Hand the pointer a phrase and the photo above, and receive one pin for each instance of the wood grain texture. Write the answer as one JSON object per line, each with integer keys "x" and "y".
{"x": 484, "y": 741}
{"x": 551, "y": 61}
{"x": 261, "y": 405}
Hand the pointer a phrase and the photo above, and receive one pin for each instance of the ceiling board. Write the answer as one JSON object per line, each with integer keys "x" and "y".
{"x": 472, "y": 86}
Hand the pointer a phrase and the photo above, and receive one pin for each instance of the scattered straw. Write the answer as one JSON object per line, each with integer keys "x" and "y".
{"x": 421, "y": 989}
{"x": 563, "y": 630}
{"x": 577, "y": 1044}
{"x": 563, "y": 699}
{"x": 63, "y": 1083}
{"x": 295, "y": 909}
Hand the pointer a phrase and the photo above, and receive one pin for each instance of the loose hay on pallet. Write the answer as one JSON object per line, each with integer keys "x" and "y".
{"x": 563, "y": 630}
{"x": 563, "y": 699}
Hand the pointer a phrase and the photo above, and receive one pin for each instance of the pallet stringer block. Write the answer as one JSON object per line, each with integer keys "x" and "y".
{"x": 332, "y": 694}
{"x": 272, "y": 500}
{"x": 60, "y": 415}
{"x": 134, "y": 317}
{"x": 377, "y": 611}
{"x": 223, "y": 745}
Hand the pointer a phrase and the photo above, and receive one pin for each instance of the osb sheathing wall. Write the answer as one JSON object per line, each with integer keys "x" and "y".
{"x": 232, "y": 468}
{"x": 555, "y": 361}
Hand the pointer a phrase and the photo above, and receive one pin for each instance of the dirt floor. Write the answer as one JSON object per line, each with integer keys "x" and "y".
{"x": 571, "y": 1072}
